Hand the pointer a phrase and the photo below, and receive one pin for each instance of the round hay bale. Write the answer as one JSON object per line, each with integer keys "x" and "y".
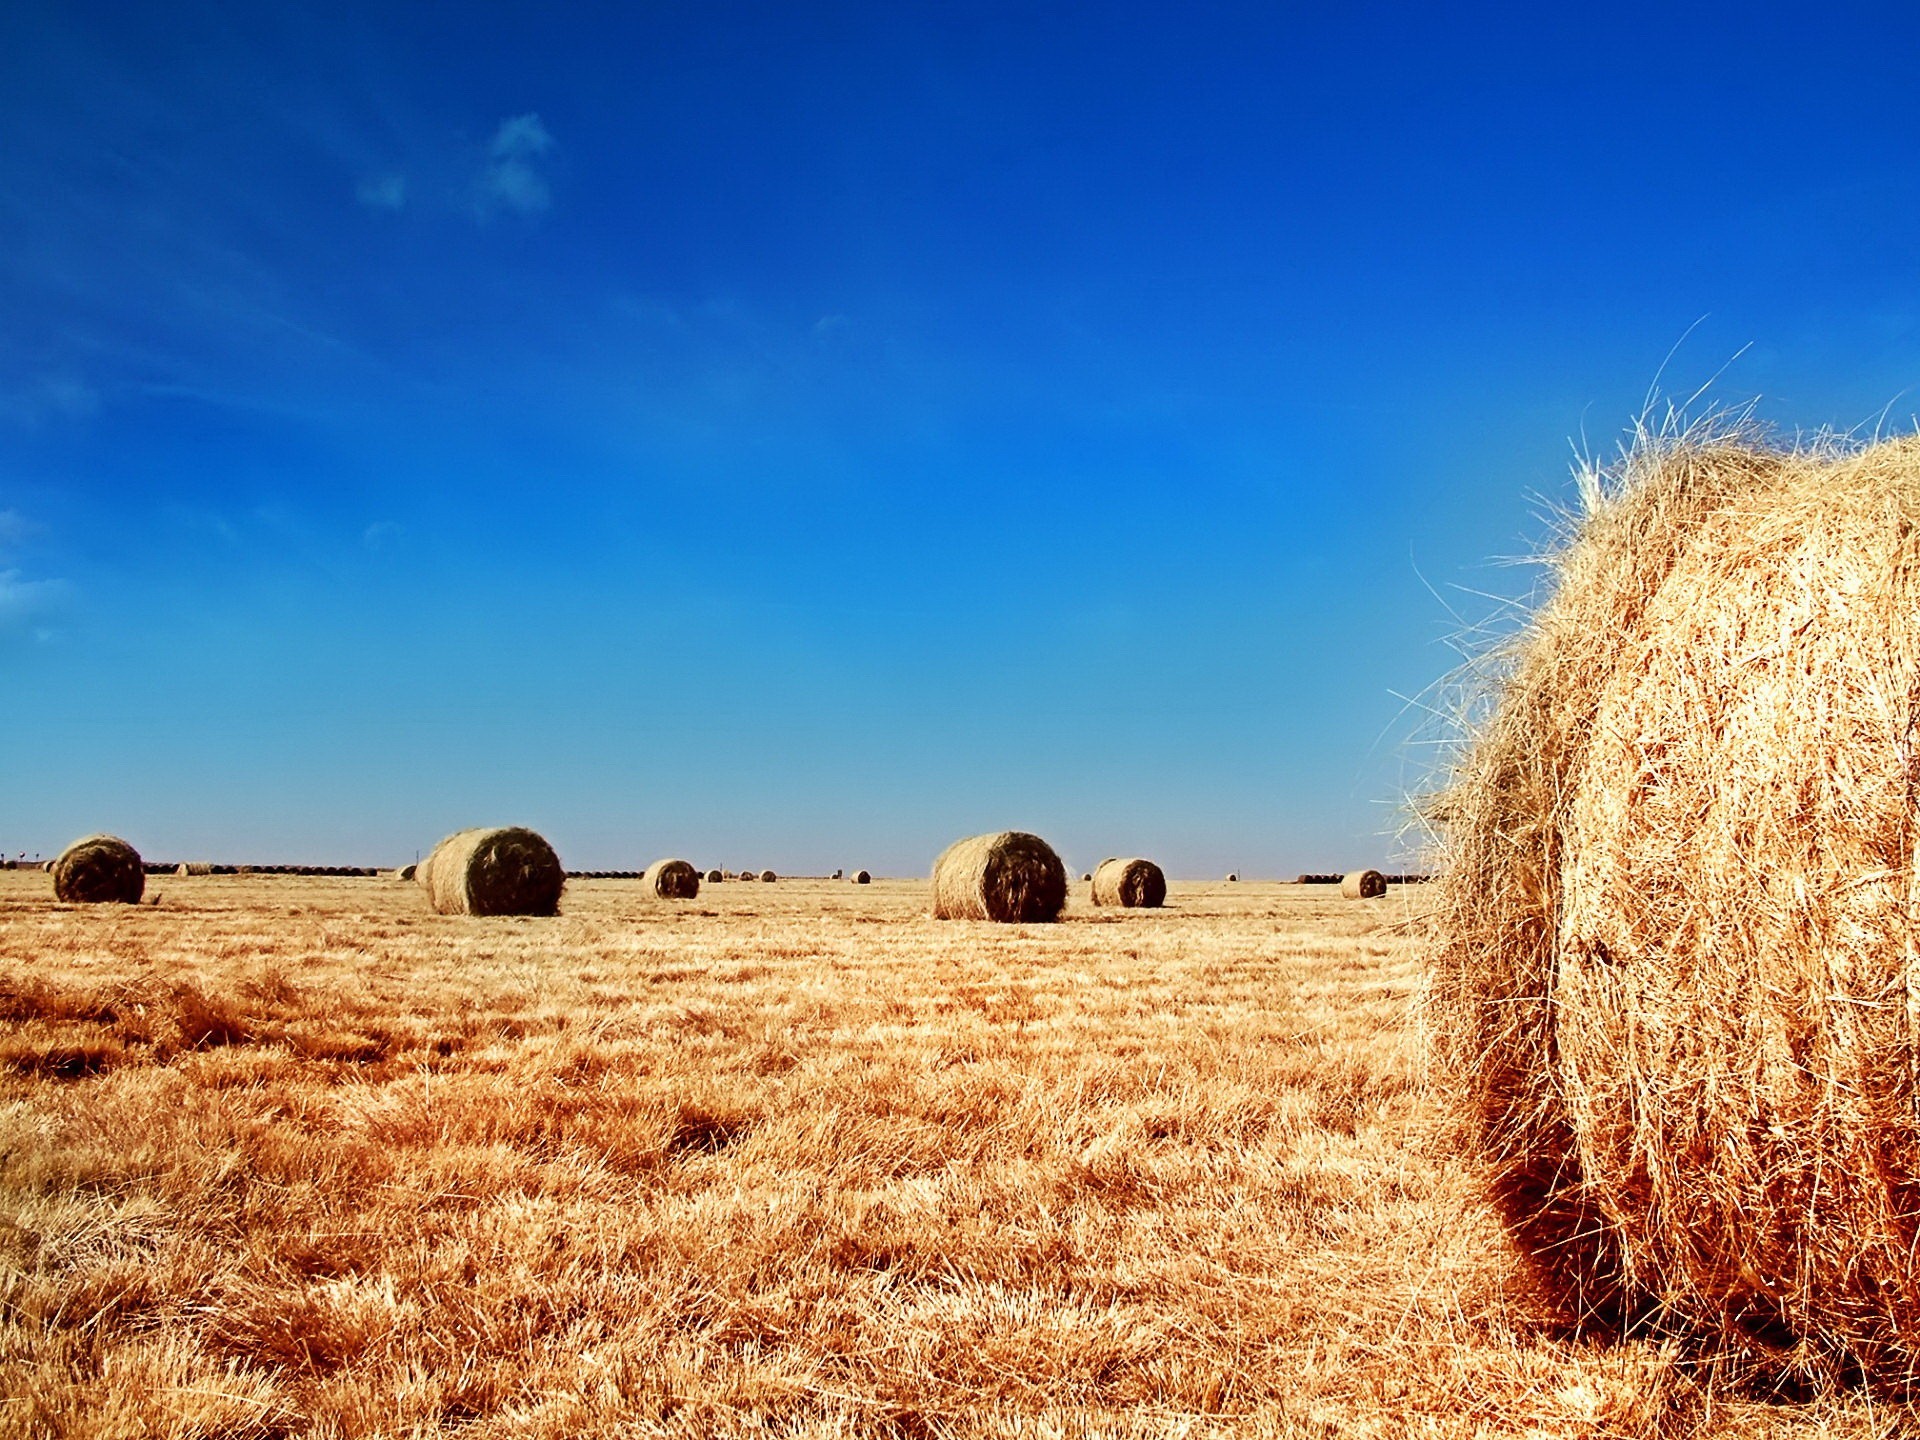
{"x": 1675, "y": 967}
{"x": 193, "y": 867}
{"x": 406, "y": 872}
{"x": 672, "y": 880}
{"x": 1086, "y": 875}
{"x": 97, "y": 869}
{"x": 1134, "y": 884}
{"x": 1007, "y": 876}
{"x": 861, "y": 877}
{"x": 1363, "y": 885}
{"x": 505, "y": 871}
{"x": 1233, "y": 878}
{"x": 716, "y": 876}
{"x": 47, "y": 866}
{"x": 768, "y": 876}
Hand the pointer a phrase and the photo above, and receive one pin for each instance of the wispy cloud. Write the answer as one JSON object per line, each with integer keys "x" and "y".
{"x": 383, "y": 192}
{"x": 514, "y": 178}
{"x": 26, "y": 606}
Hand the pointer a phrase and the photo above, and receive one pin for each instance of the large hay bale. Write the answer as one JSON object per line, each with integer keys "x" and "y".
{"x": 1133, "y": 883}
{"x": 672, "y": 879}
{"x": 1008, "y": 876}
{"x": 861, "y": 877}
{"x": 99, "y": 869}
{"x": 504, "y": 871}
{"x": 1363, "y": 885}
{"x": 1676, "y": 969}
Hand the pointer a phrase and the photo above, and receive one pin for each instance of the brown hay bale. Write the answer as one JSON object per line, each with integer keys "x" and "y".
{"x": 193, "y": 867}
{"x": 99, "y": 869}
{"x": 1675, "y": 927}
{"x": 47, "y": 866}
{"x": 1134, "y": 884}
{"x": 716, "y": 876}
{"x": 861, "y": 877}
{"x": 406, "y": 872}
{"x": 768, "y": 876}
{"x": 505, "y": 871}
{"x": 1363, "y": 885}
{"x": 672, "y": 880}
{"x": 1233, "y": 878}
{"x": 1007, "y": 876}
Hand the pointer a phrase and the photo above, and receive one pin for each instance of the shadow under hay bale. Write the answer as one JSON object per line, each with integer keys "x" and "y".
{"x": 503, "y": 871}
{"x": 99, "y": 869}
{"x": 672, "y": 880}
{"x": 1132, "y": 884}
{"x": 1006, "y": 876}
{"x": 1674, "y": 942}
{"x": 1363, "y": 885}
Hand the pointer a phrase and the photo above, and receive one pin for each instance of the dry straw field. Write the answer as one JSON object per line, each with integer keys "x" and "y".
{"x": 289, "y": 1156}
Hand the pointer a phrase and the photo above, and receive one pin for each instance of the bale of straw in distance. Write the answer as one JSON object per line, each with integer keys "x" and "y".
{"x": 1675, "y": 959}
{"x": 405, "y": 872}
{"x": 193, "y": 867}
{"x": 1363, "y": 884}
{"x": 504, "y": 871}
{"x": 1007, "y": 876}
{"x": 97, "y": 869}
{"x": 716, "y": 876}
{"x": 1233, "y": 878}
{"x": 672, "y": 879}
{"x": 768, "y": 876}
{"x": 861, "y": 877}
{"x": 1133, "y": 883}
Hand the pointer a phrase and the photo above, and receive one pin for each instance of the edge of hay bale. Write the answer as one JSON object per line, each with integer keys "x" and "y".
{"x": 1007, "y": 876}
{"x": 99, "y": 869}
{"x": 1131, "y": 883}
{"x": 503, "y": 870}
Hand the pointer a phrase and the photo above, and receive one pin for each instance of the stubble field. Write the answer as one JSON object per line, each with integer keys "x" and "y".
{"x": 285, "y": 1156}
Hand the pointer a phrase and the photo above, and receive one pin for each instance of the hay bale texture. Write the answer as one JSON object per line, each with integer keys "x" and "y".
{"x": 768, "y": 876}
{"x": 503, "y": 871}
{"x": 1007, "y": 876}
{"x": 672, "y": 880}
{"x": 1133, "y": 883}
{"x": 1363, "y": 885}
{"x": 99, "y": 869}
{"x": 1676, "y": 969}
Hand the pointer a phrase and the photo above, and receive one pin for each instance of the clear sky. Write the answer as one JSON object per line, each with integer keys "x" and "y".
{"x": 797, "y": 436}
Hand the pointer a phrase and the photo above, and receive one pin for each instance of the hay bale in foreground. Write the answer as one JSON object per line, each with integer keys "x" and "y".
{"x": 672, "y": 880}
{"x": 504, "y": 871}
{"x": 1675, "y": 924}
{"x": 99, "y": 869}
{"x": 1363, "y": 885}
{"x": 1134, "y": 884}
{"x": 861, "y": 877}
{"x": 1006, "y": 876}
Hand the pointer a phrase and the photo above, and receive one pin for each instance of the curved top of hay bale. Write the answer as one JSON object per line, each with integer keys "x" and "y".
{"x": 1675, "y": 914}
{"x": 504, "y": 871}
{"x": 99, "y": 869}
{"x": 1007, "y": 876}
{"x": 672, "y": 880}
{"x": 861, "y": 877}
{"x": 1363, "y": 885}
{"x": 1132, "y": 883}
{"x": 768, "y": 876}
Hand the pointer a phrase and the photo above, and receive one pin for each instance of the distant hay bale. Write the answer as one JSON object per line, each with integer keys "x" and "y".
{"x": 1134, "y": 884}
{"x": 99, "y": 869}
{"x": 1363, "y": 885}
{"x": 406, "y": 872}
{"x": 1233, "y": 878}
{"x": 47, "y": 866}
{"x": 716, "y": 876}
{"x": 505, "y": 871}
{"x": 861, "y": 877}
{"x": 837, "y": 874}
{"x": 193, "y": 867}
{"x": 1007, "y": 876}
{"x": 672, "y": 880}
{"x": 768, "y": 876}
{"x": 1675, "y": 956}
{"x": 1086, "y": 875}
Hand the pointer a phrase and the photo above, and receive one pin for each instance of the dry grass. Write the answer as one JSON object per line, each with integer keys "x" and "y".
{"x": 287, "y": 1156}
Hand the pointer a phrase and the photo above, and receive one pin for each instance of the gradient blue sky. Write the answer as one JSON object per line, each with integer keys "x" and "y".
{"x": 798, "y": 436}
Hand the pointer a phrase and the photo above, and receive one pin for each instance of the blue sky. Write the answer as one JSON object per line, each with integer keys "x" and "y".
{"x": 798, "y": 438}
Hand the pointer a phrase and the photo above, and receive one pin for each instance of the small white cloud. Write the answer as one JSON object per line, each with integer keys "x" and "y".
{"x": 513, "y": 179}
{"x": 25, "y": 604}
{"x": 383, "y": 192}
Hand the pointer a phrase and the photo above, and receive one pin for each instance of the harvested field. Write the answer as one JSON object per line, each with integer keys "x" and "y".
{"x": 291, "y": 1156}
